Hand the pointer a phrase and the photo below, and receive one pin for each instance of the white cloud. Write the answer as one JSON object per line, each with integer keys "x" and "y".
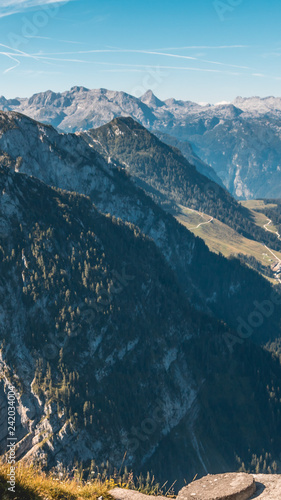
{"x": 14, "y": 55}
{"x": 208, "y": 47}
{"x": 147, "y": 52}
{"x": 9, "y": 7}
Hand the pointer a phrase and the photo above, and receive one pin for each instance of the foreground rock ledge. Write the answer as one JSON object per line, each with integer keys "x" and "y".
{"x": 268, "y": 488}
{"x": 220, "y": 487}
{"x": 229, "y": 486}
{"x": 124, "y": 494}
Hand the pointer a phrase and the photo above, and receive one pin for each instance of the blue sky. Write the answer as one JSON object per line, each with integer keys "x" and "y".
{"x": 200, "y": 50}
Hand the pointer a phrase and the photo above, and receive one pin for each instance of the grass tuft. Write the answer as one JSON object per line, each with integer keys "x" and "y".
{"x": 34, "y": 484}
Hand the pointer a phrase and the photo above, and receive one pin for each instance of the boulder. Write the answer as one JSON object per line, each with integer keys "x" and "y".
{"x": 228, "y": 486}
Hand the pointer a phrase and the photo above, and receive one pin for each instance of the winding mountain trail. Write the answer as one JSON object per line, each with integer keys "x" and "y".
{"x": 274, "y": 232}
{"x": 275, "y": 256}
{"x": 201, "y": 215}
{"x": 278, "y": 260}
{"x": 269, "y": 221}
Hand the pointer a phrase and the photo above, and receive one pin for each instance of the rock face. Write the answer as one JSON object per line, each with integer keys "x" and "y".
{"x": 220, "y": 487}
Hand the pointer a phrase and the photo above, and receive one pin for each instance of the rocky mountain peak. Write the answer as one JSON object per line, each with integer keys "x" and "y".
{"x": 77, "y": 89}
{"x": 151, "y": 100}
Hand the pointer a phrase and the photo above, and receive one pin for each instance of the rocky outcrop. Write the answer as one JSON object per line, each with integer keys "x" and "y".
{"x": 238, "y": 486}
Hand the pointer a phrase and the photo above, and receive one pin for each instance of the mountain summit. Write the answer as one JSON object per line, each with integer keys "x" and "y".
{"x": 151, "y": 100}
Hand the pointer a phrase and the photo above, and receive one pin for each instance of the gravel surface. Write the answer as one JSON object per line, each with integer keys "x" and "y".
{"x": 268, "y": 487}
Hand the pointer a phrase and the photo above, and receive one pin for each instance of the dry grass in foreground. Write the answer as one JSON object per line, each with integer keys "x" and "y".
{"x": 33, "y": 484}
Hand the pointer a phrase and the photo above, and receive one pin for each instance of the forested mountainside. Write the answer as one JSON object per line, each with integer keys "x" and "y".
{"x": 212, "y": 283}
{"x": 106, "y": 352}
{"x": 169, "y": 178}
{"x": 239, "y": 140}
{"x": 187, "y": 151}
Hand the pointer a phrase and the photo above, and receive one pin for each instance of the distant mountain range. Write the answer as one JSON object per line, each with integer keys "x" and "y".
{"x": 119, "y": 328}
{"x": 241, "y": 141}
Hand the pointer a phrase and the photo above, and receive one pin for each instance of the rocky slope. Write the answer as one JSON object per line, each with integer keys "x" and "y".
{"x": 117, "y": 330}
{"x": 106, "y": 353}
{"x": 211, "y": 282}
{"x": 85, "y": 326}
{"x": 240, "y": 140}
